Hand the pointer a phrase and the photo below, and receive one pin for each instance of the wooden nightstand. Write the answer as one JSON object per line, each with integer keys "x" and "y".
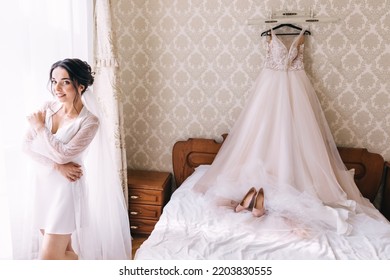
{"x": 149, "y": 191}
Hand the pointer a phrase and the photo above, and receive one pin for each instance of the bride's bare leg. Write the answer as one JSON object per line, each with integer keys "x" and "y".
{"x": 54, "y": 247}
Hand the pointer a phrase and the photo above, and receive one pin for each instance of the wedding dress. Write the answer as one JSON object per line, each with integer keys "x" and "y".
{"x": 282, "y": 143}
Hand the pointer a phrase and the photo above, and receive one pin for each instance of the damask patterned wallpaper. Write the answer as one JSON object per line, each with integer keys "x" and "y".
{"x": 187, "y": 66}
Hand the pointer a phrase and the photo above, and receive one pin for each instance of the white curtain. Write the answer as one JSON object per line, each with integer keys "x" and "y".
{"x": 34, "y": 34}
{"x": 106, "y": 86}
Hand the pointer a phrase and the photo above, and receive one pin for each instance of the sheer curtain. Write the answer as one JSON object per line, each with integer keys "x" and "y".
{"x": 106, "y": 87}
{"x": 34, "y": 35}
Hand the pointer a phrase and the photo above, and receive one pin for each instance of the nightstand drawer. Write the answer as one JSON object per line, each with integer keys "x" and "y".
{"x": 142, "y": 226}
{"x": 144, "y": 211}
{"x": 145, "y": 197}
{"x": 149, "y": 191}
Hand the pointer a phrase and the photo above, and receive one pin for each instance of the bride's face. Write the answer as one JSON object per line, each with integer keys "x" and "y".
{"x": 63, "y": 87}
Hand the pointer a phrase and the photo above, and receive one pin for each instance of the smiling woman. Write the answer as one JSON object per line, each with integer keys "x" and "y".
{"x": 27, "y": 53}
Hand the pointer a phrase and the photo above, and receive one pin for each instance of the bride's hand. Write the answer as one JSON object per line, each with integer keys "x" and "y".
{"x": 37, "y": 120}
{"x": 71, "y": 171}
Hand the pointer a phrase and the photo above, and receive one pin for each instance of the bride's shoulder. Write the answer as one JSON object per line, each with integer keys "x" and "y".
{"x": 91, "y": 118}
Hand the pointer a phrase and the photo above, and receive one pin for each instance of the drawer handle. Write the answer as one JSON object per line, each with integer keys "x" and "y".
{"x": 134, "y": 213}
{"x": 133, "y": 227}
{"x": 134, "y": 196}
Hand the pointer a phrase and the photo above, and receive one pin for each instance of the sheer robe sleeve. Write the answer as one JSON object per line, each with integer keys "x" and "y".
{"x": 28, "y": 144}
{"x": 62, "y": 153}
{"x": 27, "y": 148}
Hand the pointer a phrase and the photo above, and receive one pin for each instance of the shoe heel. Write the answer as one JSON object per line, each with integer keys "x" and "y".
{"x": 247, "y": 201}
{"x": 258, "y": 206}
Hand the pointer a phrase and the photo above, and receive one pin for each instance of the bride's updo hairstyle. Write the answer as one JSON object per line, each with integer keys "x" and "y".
{"x": 80, "y": 72}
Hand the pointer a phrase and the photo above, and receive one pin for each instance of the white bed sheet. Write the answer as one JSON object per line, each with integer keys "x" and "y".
{"x": 190, "y": 229}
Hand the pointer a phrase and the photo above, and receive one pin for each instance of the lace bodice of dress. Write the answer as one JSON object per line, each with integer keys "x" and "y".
{"x": 279, "y": 57}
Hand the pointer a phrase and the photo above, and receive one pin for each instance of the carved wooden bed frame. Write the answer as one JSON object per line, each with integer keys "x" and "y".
{"x": 372, "y": 173}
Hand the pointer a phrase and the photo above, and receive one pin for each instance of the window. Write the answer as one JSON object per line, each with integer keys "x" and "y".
{"x": 34, "y": 34}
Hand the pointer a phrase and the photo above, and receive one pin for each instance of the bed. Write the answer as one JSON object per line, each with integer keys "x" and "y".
{"x": 188, "y": 229}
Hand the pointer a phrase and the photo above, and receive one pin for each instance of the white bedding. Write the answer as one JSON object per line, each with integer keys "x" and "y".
{"x": 190, "y": 229}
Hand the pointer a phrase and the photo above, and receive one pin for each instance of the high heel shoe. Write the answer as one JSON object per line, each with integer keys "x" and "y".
{"x": 247, "y": 201}
{"x": 258, "y": 206}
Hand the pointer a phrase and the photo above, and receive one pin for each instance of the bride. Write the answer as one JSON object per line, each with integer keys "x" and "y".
{"x": 74, "y": 177}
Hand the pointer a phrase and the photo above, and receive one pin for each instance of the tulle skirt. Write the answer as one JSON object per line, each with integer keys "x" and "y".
{"x": 282, "y": 143}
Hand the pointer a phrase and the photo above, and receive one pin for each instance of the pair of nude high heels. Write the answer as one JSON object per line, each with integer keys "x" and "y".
{"x": 253, "y": 201}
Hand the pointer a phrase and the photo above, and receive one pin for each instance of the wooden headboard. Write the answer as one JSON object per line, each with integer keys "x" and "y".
{"x": 371, "y": 171}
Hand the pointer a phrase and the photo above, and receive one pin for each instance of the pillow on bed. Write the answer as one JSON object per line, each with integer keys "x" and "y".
{"x": 194, "y": 177}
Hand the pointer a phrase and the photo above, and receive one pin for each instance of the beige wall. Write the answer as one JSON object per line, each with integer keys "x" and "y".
{"x": 187, "y": 67}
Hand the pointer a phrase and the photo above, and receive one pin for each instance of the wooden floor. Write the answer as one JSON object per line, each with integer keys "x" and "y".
{"x": 137, "y": 241}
